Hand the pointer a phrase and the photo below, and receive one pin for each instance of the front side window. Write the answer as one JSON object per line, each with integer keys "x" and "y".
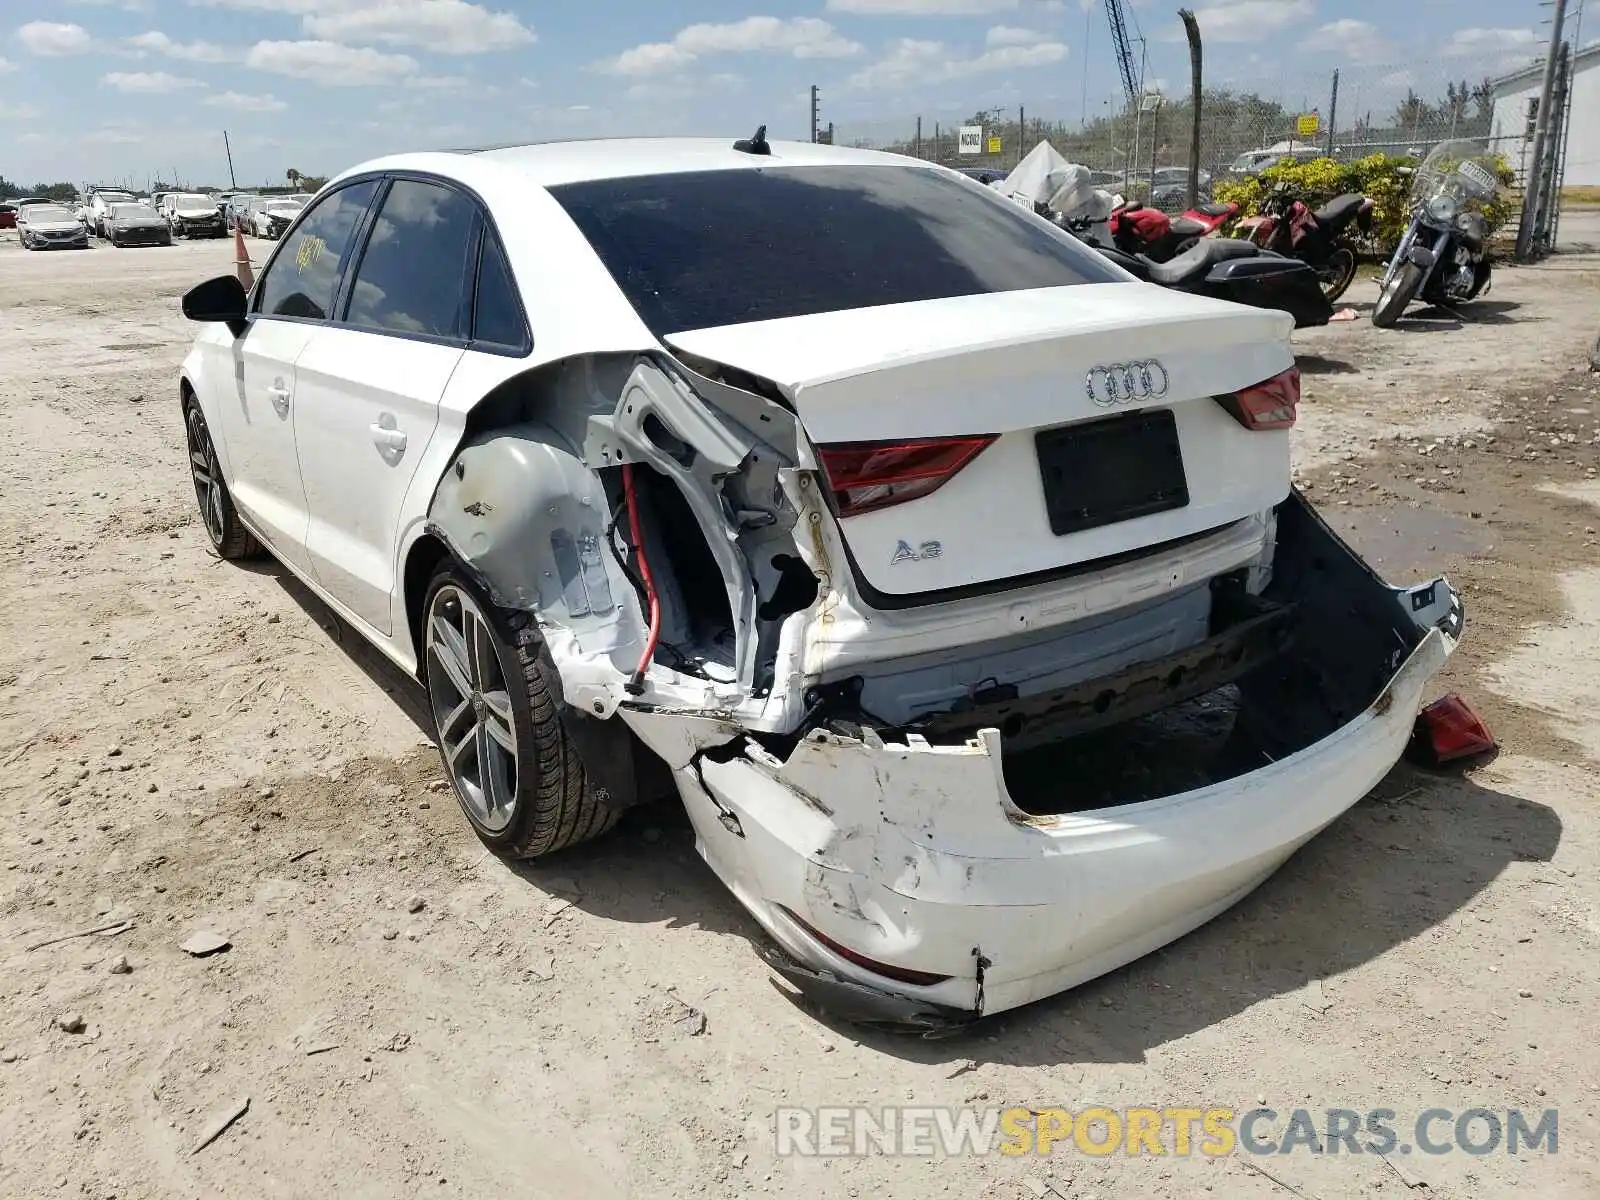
{"x": 413, "y": 275}
{"x": 304, "y": 275}
{"x": 708, "y": 248}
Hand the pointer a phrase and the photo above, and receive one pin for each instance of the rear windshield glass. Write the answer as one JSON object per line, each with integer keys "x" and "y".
{"x": 709, "y": 248}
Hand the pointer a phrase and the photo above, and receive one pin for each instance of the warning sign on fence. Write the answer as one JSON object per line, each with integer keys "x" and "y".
{"x": 1308, "y": 125}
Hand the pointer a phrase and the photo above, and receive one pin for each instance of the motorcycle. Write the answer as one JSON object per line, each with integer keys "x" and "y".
{"x": 1287, "y": 224}
{"x": 1443, "y": 259}
{"x": 1140, "y": 229}
{"x": 1151, "y": 246}
{"x": 1045, "y": 183}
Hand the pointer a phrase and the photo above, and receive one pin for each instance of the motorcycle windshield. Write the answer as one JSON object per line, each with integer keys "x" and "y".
{"x": 1458, "y": 176}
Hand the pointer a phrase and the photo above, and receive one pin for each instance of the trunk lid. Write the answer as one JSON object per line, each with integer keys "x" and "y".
{"x": 1073, "y": 475}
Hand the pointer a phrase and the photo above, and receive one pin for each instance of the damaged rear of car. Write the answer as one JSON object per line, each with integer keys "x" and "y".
{"x": 951, "y": 577}
{"x": 915, "y": 533}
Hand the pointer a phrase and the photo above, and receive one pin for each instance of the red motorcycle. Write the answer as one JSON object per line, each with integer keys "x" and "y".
{"x": 1138, "y": 229}
{"x": 1288, "y": 226}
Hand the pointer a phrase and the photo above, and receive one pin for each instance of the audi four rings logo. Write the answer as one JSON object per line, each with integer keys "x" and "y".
{"x": 1123, "y": 383}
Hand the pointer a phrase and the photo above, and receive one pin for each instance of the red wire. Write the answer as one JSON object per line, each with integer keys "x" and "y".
{"x": 636, "y": 684}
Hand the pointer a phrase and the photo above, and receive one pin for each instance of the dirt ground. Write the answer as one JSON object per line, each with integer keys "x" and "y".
{"x": 187, "y": 746}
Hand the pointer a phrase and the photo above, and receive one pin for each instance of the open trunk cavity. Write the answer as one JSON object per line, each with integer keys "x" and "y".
{"x": 1249, "y": 679}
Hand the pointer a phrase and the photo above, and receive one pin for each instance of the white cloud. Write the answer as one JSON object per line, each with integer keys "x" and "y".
{"x": 440, "y": 83}
{"x": 652, "y": 58}
{"x": 912, "y": 61}
{"x": 1010, "y": 35}
{"x": 1247, "y": 20}
{"x": 246, "y": 103}
{"x": 159, "y": 43}
{"x": 7, "y": 65}
{"x": 1481, "y": 41}
{"x": 148, "y": 81}
{"x": 445, "y": 26}
{"x": 52, "y": 39}
{"x": 329, "y": 63}
{"x": 922, "y": 8}
{"x": 801, "y": 37}
{"x": 1354, "y": 41}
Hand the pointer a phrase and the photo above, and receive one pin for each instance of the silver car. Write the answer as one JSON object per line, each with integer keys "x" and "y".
{"x": 50, "y": 227}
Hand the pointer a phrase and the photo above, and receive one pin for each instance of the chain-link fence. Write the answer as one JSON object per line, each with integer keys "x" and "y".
{"x": 1142, "y": 147}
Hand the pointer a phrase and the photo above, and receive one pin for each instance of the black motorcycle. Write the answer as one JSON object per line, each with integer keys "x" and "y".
{"x": 1443, "y": 259}
{"x": 1222, "y": 268}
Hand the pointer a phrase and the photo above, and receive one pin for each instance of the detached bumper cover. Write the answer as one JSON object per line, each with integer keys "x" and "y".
{"x": 915, "y": 855}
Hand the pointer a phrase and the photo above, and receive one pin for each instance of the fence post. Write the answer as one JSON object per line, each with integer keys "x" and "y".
{"x": 1541, "y": 136}
{"x": 1333, "y": 111}
{"x": 919, "y": 136}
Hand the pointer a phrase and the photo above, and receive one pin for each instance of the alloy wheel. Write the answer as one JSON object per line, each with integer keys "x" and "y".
{"x": 207, "y": 476}
{"x": 471, "y": 705}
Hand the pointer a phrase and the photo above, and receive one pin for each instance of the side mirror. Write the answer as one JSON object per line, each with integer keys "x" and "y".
{"x": 220, "y": 299}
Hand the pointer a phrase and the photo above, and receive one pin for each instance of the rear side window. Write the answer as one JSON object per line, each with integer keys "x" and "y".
{"x": 708, "y": 248}
{"x": 413, "y": 275}
{"x": 497, "y": 319}
{"x": 304, "y": 274}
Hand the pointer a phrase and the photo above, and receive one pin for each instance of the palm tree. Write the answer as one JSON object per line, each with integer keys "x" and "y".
{"x": 294, "y": 177}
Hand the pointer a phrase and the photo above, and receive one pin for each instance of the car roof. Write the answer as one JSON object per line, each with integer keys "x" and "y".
{"x": 551, "y": 164}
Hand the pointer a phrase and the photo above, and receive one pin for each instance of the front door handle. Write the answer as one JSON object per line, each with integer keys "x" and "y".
{"x": 279, "y": 395}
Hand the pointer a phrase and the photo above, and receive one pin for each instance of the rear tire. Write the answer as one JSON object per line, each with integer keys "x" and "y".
{"x": 1338, "y": 273}
{"x": 1399, "y": 293}
{"x": 1594, "y": 354}
{"x": 496, "y": 702}
{"x": 229, "y": 538}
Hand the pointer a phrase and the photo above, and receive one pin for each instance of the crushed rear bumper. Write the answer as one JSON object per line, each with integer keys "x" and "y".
{"x": 919, "y": 857}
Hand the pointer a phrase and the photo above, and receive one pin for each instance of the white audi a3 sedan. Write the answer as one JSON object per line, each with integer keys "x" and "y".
{"x": 952, "y": 578}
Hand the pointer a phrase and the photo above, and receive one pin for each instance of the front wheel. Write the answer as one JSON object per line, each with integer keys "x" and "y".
{"x": 496, "y": 703}
{"x": 1397, "y": 293}
{"x": 1337, "y": 273}
{"x": 1594, "y": 354}
{"x": 229, "y": 538}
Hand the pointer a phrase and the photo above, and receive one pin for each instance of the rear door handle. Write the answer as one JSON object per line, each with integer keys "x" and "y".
{"x": 390, "y": 440}
{"x": 279, "y": 395}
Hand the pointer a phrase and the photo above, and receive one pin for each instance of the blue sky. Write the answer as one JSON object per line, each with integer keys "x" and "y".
{"x": 107, "y": 89}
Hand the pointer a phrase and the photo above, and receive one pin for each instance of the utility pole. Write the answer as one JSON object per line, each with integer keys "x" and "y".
{"x": 919, "y": 137}
{"x": 815, "y": 127}
{"x": 232, "y": 182}
{"x": 1333, "y": 111}
{"x": 1022, "y": 130}
{"x": 1531, "y": 200}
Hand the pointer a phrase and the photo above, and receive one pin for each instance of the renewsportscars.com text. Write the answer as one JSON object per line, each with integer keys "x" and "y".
{"x": 932, "y": 1132}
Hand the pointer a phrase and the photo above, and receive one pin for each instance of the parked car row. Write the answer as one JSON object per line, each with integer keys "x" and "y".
{"x": 124, "y": 219}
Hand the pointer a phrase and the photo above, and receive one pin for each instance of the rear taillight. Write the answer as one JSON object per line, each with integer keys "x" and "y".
{"x": 869, "y": 475}
{"x": 1273, "y": 404}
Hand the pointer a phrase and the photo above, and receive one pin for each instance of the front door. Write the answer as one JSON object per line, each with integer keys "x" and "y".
{"x": 293, "y": 297}
{"x": 369, "y": 388}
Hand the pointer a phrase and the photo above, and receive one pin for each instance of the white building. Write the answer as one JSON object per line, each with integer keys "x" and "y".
{"x": 1516, "y": 99}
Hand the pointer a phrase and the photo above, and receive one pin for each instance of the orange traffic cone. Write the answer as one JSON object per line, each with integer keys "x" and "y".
{"x": 241, "y": 260}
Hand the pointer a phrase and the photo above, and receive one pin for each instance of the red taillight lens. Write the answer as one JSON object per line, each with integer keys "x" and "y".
{"x": 1448, "y": 730}
{"x": 869, "y": 475}
{"x": 901, "y": 974}
{"x": 1266, "y": 406}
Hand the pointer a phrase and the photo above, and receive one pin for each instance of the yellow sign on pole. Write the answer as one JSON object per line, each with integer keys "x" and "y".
{"x": 1308, "y": 125}
{"x": 994, "y": 145}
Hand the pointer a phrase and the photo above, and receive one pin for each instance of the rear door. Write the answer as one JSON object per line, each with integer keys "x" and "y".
{"x": 294, "y": 296}
{"x": 370, "y": 385}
